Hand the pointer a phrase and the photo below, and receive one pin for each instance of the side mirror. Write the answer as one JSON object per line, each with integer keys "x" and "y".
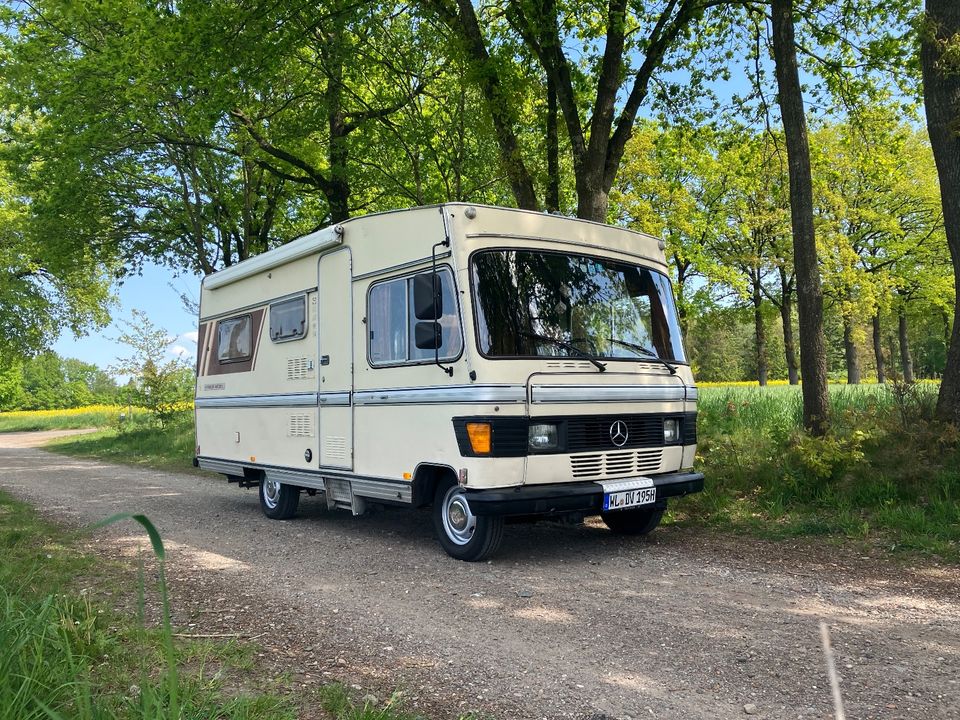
{"x": 427, "y": 298}
{"x": 427, "y": 335}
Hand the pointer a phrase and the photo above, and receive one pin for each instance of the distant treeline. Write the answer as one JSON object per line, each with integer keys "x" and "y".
{"x": 48, "y": 382}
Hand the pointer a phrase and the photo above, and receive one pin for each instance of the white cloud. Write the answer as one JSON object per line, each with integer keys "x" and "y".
{"x": 192, "y": 336}
{"x": 182, "y": 352}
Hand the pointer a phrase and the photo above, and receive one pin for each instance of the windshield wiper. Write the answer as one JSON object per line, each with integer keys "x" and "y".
{"x": 646, "y": 351}
{"x": 566, "y": 346}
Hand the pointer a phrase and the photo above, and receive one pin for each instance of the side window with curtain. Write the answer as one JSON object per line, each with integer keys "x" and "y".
{"x": 387, "y": 322}
{"x": 234, "y": 339}
{"x": 391, "y": 322}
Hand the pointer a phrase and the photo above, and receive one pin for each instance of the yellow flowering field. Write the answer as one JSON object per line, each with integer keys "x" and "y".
{"x": 81, "y": 417}
{"x": 86, "y": 410}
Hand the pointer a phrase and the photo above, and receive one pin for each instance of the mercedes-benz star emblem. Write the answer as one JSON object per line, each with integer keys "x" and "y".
{"x": 618, "y": 433}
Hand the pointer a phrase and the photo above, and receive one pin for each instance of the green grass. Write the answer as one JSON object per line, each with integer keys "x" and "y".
{"x": 138, "y": 441}
{"x": 67, "y": 653}
{"x": 887, "y": 474}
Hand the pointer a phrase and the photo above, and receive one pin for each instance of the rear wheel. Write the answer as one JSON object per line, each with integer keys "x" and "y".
{"x": 278, "y": 501}
{"x": 462, "y": 534}
{"x": 638, "y": 521}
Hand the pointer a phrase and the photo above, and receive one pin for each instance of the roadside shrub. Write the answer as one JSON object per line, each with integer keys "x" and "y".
{"x": 886, "y": 468}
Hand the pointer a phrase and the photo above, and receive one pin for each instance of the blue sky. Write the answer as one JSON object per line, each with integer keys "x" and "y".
{"x": 152, "y": 293}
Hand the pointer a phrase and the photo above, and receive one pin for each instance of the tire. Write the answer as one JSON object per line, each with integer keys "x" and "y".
{"x": 639, "y": 521}
{"x": 462, "y": 534}
{"x": 278, "y": 501}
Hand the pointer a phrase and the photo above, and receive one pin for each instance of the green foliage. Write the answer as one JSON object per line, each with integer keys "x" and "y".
{"x": 47, "y": 382}
{"x": 51, "y": 281}
{"x": 158, "y": 382}
{"x": 11, "y": 386}
{"x": 203, "y": 135}
{"x": 886, "y": 473}
{"x": 718, "y": 199}
{"x": 829, "y": 456}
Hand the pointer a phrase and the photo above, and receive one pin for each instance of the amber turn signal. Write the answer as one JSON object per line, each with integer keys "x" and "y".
{"x": 479, "y": 434}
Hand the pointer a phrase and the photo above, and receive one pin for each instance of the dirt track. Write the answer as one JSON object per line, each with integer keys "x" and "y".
{"x": 564, "y": 622}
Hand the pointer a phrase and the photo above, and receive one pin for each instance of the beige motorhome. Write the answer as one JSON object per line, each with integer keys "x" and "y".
{"x": 492, "y": 363}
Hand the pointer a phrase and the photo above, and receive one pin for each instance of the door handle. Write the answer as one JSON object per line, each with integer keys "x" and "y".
{"x": 324, "y": 359}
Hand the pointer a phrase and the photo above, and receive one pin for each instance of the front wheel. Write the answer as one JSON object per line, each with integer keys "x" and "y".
{"x": 638, "y": 521}
{"x": 278, "y": 501}
{"x": 462, "y": 534}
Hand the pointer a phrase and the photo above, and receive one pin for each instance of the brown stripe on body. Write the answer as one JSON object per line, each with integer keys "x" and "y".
{"x": 201, "y": 349}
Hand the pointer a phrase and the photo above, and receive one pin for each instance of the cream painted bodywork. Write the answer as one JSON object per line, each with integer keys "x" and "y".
{"x": 386, "y": 421}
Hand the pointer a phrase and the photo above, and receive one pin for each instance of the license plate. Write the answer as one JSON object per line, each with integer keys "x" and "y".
{"x": 629, "y": 498}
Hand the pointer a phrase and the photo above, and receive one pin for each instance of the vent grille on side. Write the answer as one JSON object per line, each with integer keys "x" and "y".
{"x": 299, "y": 368}
{"x": 334, "y": 448}
{"x": 615, "y": 464}
{"x": 301, "y": 425}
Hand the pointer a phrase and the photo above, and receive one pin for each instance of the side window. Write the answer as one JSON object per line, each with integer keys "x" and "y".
{"x": 387, "y": 322}
{"x": 234, "y": 341}
{"x": 391, "y": 322}
{"x": 288, "y": 319}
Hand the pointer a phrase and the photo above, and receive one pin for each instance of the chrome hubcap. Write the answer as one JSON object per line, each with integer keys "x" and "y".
{"x": 458, "y": 522}
{"x": 271, "y": 493}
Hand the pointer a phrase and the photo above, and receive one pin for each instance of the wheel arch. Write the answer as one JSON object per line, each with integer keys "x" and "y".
{"x": 426, "y": 477}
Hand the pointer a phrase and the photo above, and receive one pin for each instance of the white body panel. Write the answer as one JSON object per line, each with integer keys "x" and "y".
{"x": 313, "y": 408}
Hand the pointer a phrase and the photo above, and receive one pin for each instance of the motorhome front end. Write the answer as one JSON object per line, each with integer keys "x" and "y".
{"x": 491, "y": 363}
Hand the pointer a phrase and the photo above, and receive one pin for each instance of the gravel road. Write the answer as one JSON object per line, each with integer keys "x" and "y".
{"x": 566, "y": 621}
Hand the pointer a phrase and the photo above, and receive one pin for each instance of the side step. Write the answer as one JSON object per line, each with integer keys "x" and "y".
{"x": 340, "y": 494}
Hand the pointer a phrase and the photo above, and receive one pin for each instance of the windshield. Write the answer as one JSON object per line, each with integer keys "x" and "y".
{"x": 535, "y": 303}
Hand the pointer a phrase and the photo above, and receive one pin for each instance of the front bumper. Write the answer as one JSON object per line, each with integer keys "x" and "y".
{"x": 560, "y": 498}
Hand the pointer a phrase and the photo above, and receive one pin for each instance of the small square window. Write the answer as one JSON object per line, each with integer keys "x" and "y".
{"x": 288, "y": 319}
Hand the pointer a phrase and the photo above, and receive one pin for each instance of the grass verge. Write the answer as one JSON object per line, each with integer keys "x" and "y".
{"x": 887, "y": 474}
{"x": 67, "y": 653}
{"x": 138, "y": 441}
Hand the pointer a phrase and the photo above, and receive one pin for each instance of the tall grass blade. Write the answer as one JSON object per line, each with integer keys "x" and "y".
{"x": 173, "y": 681}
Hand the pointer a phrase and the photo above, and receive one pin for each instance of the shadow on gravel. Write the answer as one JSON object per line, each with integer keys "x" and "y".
{"x": 383, "y": 529}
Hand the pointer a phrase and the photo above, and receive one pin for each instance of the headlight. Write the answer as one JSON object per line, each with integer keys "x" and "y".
{"x": 542, "y": 437}
{"x": 671, "y": 430}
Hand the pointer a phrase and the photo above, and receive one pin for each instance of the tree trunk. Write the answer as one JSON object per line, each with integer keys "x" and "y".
{"x": 759, "y": 332}
{"x": 941, "y": 98}
{"x": 878, "y": 350}
{"x": 679, "y": 288}
{"x": 786, "y": 317}
{"x": 337, "y": 191}
{"x": 905, "y": 360}
{"x": 850, "y": 353}
{"x": 946, "y": 330}
{"x": 553, "y": 149}
{"x": 593, "y": 201}
{"x": 813, "y": 356}
{"x": 789, "y": 348}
